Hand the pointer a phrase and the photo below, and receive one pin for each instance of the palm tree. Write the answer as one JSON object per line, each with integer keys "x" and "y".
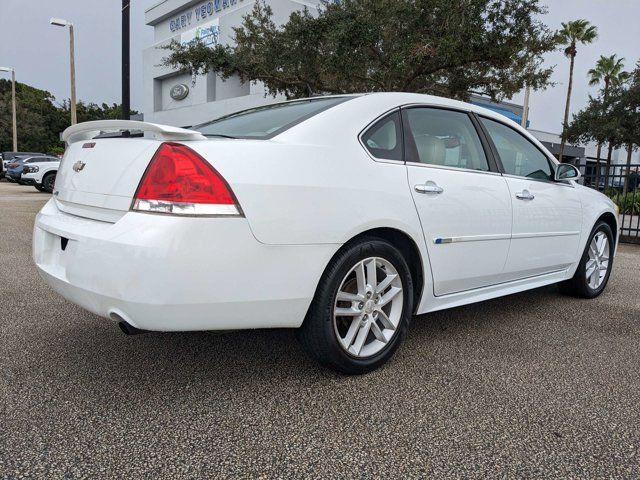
{"x": 608, "y": 71}
{"x": 572, "y": 33}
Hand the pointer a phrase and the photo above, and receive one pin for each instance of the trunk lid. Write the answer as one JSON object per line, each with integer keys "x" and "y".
{"x": 98, "y": 177}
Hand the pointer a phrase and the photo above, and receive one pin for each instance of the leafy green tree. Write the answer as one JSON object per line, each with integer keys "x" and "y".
{"x": 630, "y": 111}
{"x": 597, "y": 122}
{"x": 572, "y": 33}
{"x": 41, "y": 120}
{"x": 614, "y": 119}
{"x": 446, "y": 47}
{"x": 35, "y": 114}
{"x": 87, "y": 112}
{"x": 610, "y": 72}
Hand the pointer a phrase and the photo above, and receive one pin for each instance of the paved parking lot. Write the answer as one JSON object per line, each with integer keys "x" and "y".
{"x": 531, "y": 385}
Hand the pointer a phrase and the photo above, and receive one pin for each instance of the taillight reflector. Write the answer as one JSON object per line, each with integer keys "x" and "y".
{"x": 179, "y": 181}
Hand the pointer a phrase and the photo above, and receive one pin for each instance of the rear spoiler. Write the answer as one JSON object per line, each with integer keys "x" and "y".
{"x": 88, "y": 130}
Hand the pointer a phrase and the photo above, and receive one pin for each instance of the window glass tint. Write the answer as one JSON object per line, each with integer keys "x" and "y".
{"x": 518, "y": 155}
{"x": 267, "y": 121}
{"x": 384, "y": 138}
{"x": 447, "y": 138}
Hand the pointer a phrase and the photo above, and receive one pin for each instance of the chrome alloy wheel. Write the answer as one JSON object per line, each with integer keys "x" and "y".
{"x": 368, "y": 307}
{"x": 598, "y": 261}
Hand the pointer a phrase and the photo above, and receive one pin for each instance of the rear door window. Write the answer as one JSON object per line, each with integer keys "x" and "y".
{"x": 444, "y": 137}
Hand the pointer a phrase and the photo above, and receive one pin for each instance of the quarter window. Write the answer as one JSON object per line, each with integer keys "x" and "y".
{"x": 519, "y": 156}
{"x": 384, "y": 138}
{"x": 444, "y": 137}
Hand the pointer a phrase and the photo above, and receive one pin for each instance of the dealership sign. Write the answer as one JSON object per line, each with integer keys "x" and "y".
{"x": 200, "y": 13}
{"x": 179, "y": 91}
{"x": 208, "y": 33}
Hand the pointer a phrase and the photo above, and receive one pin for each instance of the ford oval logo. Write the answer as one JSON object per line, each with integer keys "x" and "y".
{"x": 179, "y": 91}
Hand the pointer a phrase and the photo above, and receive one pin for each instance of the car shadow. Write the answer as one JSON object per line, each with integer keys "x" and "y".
{"x": 104, "y": 355}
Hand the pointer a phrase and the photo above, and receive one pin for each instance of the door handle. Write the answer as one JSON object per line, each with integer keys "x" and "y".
{"x": 525, "y": 195}
{"x": 428, "y": 187}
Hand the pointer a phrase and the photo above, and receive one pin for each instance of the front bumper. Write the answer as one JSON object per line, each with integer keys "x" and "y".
{"x": 166, "y": 273}
{"x": 13, "y": 177}
{"x": 28, "y": 181}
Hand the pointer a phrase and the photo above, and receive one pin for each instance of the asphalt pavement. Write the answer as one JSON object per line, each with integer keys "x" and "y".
{"x": 531, "y": 385}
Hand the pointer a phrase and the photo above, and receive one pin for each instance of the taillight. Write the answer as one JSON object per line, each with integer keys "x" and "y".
{"x": 178, "y": 181}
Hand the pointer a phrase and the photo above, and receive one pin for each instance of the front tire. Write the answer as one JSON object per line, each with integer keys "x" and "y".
{"x": 362, "y": 308}
{"x": 594, "y": 269}
{"x": 48, "y": 182}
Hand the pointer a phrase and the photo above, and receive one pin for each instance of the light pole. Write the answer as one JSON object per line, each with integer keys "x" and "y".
{"x": 59, "y": 22}
{"x": 126, "y": 98}
{"x": 13, "y": 105}
{"x": 525, "y": 108}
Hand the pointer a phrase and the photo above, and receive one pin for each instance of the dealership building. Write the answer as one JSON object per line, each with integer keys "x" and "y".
{"x": 176, "y": 98}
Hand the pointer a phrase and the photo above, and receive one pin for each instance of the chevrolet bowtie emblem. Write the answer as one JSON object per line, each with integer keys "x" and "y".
{"x": 78, "y": 166}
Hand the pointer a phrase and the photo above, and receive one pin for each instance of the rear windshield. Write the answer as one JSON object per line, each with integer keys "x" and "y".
{"x": 268, "y": 121}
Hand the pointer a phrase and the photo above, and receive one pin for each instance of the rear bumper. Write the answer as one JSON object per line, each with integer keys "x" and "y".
{"x": 165, "y": 273}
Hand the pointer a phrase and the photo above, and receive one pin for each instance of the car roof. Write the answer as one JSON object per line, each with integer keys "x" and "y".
{"x": 41, "y": 156}
{"x": 354, "y": 116}
{"x": 405, "y": 98}
{"x": 408, "y": 98}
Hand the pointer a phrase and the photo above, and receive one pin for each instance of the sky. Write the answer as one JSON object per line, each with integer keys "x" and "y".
{"x": 39, "y": 51}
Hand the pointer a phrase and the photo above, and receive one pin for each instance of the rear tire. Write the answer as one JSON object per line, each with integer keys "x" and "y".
{"x": 588, "y": 281}
{"x": 359, "y": 318}
{"x": 48, "y": 182}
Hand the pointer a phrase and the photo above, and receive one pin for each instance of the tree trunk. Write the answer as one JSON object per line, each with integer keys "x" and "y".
{"x": 599, "y": 151}
{"x": 566, "y": 108}
{"x": 625, "y": 189}
{"x": 608, "y": 167}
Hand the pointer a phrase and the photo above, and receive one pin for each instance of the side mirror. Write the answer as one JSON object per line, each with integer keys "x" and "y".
{"x": 566, "y": 171}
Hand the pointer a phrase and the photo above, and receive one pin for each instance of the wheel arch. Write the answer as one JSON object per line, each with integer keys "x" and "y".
{"x": 610, "y": 219}
{"x": 407, "y": 247}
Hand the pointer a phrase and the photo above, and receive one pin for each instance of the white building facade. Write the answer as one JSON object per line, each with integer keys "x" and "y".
{"x": 178, "y": 98}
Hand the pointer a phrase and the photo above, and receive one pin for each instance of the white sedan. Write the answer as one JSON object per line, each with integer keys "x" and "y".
{"x": 340, "y": 216}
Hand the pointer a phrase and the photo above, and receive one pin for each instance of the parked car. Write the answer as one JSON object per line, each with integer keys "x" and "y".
{"x": 14, "y": 169}
{"x": 7, "y": 157}
{"x": 16, "y": 166}
{"x": 41, "y": 173}
{"x": 339, "y": 216}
